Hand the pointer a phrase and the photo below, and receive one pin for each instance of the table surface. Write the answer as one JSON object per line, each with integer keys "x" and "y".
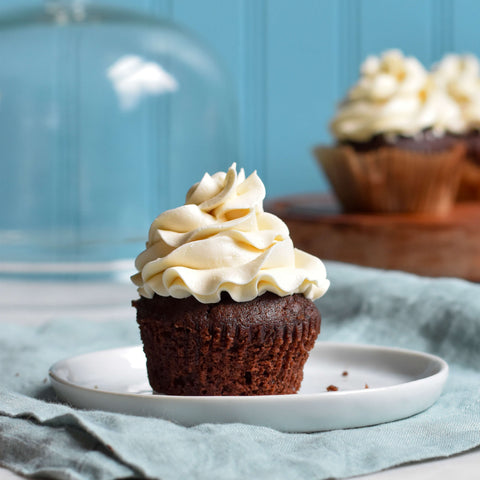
{"x": 111, "y": 301}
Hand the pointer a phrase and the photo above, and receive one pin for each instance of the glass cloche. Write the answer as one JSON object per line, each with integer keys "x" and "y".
{"x": 106, "y": 118}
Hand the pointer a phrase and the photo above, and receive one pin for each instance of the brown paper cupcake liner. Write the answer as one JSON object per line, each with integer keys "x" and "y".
{"x": 249, "y": 348}
{"x": 391, "y": 180}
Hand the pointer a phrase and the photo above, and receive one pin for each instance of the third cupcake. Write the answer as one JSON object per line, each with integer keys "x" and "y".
{"x": 459, "y": 76}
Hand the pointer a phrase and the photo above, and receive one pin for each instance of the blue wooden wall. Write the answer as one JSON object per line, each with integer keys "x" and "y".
{"x": 291, "y": 61}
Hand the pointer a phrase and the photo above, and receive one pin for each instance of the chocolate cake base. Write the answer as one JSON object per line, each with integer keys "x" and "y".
{"x": 227, "y": 348}
{"x": 425, "y": 142}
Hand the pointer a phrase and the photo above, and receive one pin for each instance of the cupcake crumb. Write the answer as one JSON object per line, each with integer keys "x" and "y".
{"x": 344, "y": 373}
{"x": 332, "y": 388}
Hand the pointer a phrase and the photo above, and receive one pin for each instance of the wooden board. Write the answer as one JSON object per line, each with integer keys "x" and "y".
{"x": 417, "y": 243}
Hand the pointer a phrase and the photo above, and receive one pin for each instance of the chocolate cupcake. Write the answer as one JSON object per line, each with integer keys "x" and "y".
{"x": 226, "y": 302}
{"x": 256, "y": 347}
{"x": 394, "y": 150}
{"x": 459, "y": 76}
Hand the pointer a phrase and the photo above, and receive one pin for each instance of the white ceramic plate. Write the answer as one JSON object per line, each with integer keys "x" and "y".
{"x": 400, "y": 383}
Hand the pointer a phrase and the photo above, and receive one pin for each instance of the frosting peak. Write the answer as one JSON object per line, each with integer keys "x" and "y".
{"x": 227, "y": 195}
{"x": 221, "y": 240}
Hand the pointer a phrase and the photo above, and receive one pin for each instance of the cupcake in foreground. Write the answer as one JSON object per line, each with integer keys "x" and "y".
{"x": 459, "y": 76}
{"x": 394, "y": 149}
{"x": 226, "y": 301}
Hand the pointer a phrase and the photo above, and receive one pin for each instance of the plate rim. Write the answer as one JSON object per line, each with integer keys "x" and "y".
{"x": 443, "y": 370}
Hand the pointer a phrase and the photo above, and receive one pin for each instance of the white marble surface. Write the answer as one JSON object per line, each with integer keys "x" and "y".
{"x": 107, "y": 301}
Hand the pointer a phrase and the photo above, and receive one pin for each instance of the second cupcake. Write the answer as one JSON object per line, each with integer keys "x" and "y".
{"x": 394, "y": 152}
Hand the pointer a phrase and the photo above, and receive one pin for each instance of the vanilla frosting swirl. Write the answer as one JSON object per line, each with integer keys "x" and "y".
{"x": 395, "y": 95}
{"x": 221, "y": 240}
{"x": 459, "y": 76}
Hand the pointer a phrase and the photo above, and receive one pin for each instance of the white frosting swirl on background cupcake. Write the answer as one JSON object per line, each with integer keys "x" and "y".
{"x": 395, "y": 95}
{"x": 221, "y": 240}
{"x": 459, "y": 76}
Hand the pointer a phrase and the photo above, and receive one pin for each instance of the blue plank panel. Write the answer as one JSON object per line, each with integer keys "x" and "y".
{"x": 349, "y": 55}
{"x": 466, "y": 26}
{"x": 9, "y": 5}
{"x": 216, "y": 23}
{"x": 406, "y": 25}
{"x": 142, "y": 6}
{"x": 442, "y": 29}
{"x": 252, "y": 86}
{"x": 301, "y": 89}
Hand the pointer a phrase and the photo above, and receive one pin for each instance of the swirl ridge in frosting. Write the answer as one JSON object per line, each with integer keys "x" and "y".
{"x": 221, "y": 240}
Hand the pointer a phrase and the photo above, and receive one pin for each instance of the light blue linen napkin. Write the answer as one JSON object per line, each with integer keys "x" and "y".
{"x": 41, "y": 437}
